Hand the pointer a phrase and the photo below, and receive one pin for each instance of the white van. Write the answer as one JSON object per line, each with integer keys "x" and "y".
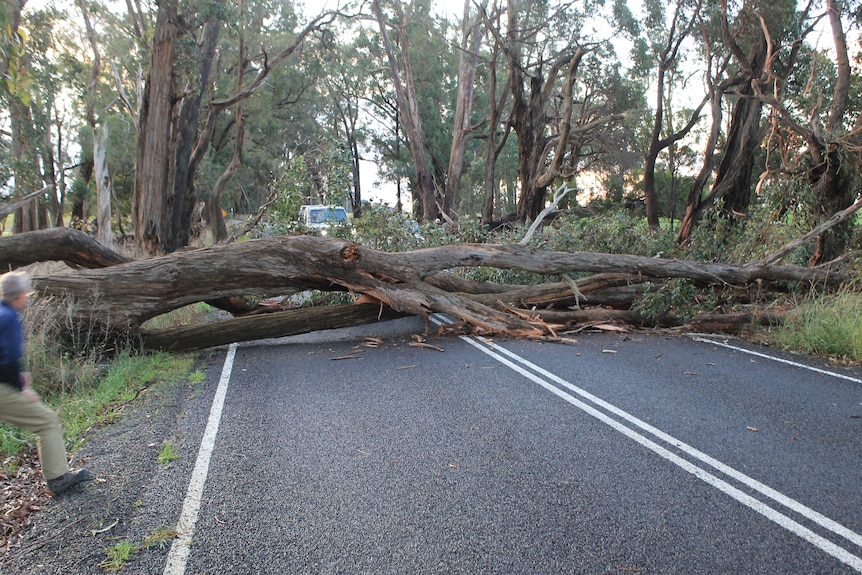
{"x": 321, "y": 218}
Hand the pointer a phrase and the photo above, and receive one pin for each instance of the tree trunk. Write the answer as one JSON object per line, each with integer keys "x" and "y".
{"x": 120, "y": 298}
{"x": 409, "y": 110}
{"x": 103, "y": 187}
{"x": 835, "y": 182}
{"x": 150, "y": 204}
{"x": 183, "y": 189}
{"x": 657, "y": 143}
{"x": 277, "y": 324}
{"x": 493, "y": 144}
{"x": 733, "y": 180}
{"x": 471, "y": 38}
{"x": 74, "y": 247}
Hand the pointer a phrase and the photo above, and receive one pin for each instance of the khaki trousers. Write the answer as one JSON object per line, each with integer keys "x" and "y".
{"x": 35, "y": 416}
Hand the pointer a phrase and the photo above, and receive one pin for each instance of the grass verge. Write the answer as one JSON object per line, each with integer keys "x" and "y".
{"x": 826, "y": 325}
{"x": 85, "y": 407}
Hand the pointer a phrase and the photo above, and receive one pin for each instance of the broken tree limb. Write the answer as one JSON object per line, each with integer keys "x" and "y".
{"x": 125, "y": 295}
{"x": 831, "y": 222}
{"x": 736, "y": 321}
{"x": 68, "y": 245}
{"x": 276, "y": 324}
{"x": 8, "y": 208}
{"x": 133, "y": 292}
{"x": 508, "y": 256}
{"x": 616, "y": 290}
{"x": 558, "y": 195}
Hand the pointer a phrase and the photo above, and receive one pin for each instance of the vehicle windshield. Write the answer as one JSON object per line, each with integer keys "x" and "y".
{"x": 323, "y": 215}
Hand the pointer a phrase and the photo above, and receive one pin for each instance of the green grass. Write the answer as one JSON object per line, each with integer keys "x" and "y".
{"x": 118, "y": 555}
{"x": 85, "y": 407}
{"x": 829, "y": 326}
{"x": 126, "y": 377}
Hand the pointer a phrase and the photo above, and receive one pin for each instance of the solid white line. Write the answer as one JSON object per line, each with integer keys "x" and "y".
{"x": 776, "y": 496}
{"x": 179, "y": 553}
{"x": 787, "y": 523}
{"x": 778, "y": 359}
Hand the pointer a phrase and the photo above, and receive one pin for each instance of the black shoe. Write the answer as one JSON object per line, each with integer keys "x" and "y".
{"x": 67, "y": 480}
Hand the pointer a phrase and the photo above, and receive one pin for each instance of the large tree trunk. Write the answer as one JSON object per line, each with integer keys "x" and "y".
{"x": 471, "y": 38}
{"x": 151, "y": 201}
{"x": 834, "y": 180}
{"x": 119, "y": 299}
{"x": 183, "y": 189}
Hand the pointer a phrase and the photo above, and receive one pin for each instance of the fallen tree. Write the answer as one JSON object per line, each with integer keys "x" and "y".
{"x": 119, "y": 298}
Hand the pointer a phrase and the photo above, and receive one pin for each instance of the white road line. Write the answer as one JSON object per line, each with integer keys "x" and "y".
{"x": 773, "y": 358}
{"x": 179, "y": 553}
{"x": 750, "y": 482}
{"x": 846, "y": 557}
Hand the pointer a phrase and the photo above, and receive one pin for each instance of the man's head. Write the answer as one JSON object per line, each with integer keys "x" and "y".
{"x": 15, "y": 286}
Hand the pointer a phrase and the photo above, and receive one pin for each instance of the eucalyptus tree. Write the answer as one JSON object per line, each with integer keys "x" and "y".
{"x": 464, "y": 126}
{"x": 408, "y": 24}
{"x": 172, "y": 140}
{"x": 662, "y": 48}
{"x": 817, "y": 116}
{"x": 753, "y": 61}
{"x": 567, "y": 91}
{"x": 35, "y": 82}
{"x": 344, "y": 87}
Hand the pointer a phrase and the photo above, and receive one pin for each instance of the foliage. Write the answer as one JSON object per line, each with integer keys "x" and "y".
{"x": 118, "y": 555}
{"x": 167, "y": 453}
{"x": 617, "y": 231}
{"x": 381, "y": 228}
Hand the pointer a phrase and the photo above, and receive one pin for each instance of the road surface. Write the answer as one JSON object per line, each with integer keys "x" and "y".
{"x": 616, "y": 454}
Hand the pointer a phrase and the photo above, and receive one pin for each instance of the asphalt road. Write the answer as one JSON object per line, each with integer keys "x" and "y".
{"x": 615, "y": 454}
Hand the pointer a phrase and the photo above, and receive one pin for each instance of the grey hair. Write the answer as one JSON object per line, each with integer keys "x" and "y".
{"x": 13, "y": 284}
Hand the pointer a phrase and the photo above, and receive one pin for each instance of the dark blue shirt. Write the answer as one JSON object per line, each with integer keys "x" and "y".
{"x": 11, "y": 346}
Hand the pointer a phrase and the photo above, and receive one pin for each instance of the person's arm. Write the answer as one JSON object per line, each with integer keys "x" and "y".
{"x": 10, "y": 351}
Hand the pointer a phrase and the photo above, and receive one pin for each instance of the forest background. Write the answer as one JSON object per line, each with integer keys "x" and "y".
{"x": 158, "y": 119}
{"x": 706, "y": 131}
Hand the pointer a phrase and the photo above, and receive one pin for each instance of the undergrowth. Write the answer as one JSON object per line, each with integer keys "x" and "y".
{"x": 825, "y": 325}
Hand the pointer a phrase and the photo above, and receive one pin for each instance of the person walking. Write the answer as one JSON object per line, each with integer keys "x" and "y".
{"x": 19, "y": 404}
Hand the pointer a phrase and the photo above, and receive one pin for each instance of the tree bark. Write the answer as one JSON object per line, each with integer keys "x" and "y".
{"x": 150, "y": 205}
{"x": 278, "y": 324}
{"x": 471, "y": 38}
{"x": 409, "y": 109}
{"x": 74, "y": 247}
{"x": 120, "y": 298}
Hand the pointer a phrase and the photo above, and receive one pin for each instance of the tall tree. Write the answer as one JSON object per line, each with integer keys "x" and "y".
{"x": 100, "y": 138}
{"x": 151, "y": 212}
{"x": 472, "y": 33}
{"x": 163, "y": 156}
{"x": 554, "y": 127}
{"x": 667, "y": 56}
{"x": 732, "y": 185}
{"x": 403, "y": 80}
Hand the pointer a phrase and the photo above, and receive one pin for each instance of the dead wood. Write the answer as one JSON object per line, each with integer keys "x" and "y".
{"x": 276, "y": 324}
{"x": 836, "y": 219}
{"x": 736, "y": 321}
{"x": 128, "y": 293}
{"x": 68, "y": 245}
